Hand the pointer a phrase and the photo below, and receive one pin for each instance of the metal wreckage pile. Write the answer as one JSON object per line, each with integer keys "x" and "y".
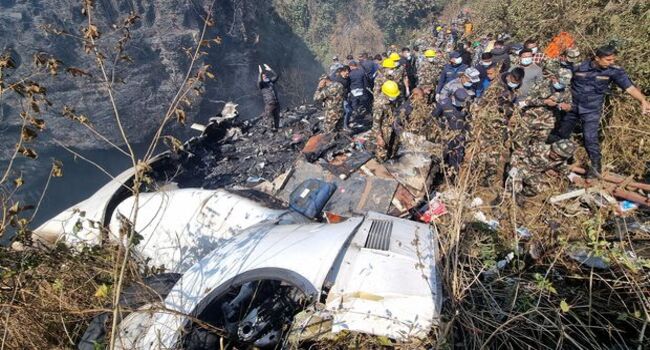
{"x": 247, "y": 155}
{"x": 244, "y": 154}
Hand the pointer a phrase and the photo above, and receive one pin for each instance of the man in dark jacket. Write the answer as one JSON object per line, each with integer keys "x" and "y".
{"x": 266, "y": 82}
{"x": 451, "y": 71}
{"x": 358, "y": 89}
{"x": 500, "y": 56}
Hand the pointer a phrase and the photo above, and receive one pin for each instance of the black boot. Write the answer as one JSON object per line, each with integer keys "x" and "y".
{"x": 594, "y": 171}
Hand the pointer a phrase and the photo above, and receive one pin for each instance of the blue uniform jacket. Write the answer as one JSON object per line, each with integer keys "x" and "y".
{"x": 590, "y": 84}
{"x": 448, "y": 74}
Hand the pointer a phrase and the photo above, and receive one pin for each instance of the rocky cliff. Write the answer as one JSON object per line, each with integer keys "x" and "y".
{"x": 251, "y": 33}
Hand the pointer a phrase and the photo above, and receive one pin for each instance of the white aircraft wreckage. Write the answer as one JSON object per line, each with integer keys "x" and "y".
{"x": 262, "y": 274}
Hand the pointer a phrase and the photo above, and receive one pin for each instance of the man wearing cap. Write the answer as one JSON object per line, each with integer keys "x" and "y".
{"x": 452, "y": 117}
{"x": 542, "y": 163}
{"x": 450, "y": 71}
{"x": 590, "y": 84}
{"x": 331, "y": 94}
{"x": 468, "y": 80}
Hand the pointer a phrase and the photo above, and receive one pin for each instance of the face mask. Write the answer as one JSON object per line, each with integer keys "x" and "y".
{"x": 457, "y": 61}
{"x": 467, "y": 84}
{"x": 513, "y": 85}
{"x": 534, "y": 50}
{"x": 431, "y": 59}
{"x": 486, "y": 64}
{"x": 408, "y": 56}
{"x": 390, "y": 72}
{"x": 558, "y": 86}
{"x": 526, "y": 61}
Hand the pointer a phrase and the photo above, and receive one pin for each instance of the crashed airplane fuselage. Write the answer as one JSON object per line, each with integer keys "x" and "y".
{"x": 374, "y": 274}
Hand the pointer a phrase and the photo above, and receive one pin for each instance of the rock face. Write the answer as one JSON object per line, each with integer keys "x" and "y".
{"x": 251, "y": 33}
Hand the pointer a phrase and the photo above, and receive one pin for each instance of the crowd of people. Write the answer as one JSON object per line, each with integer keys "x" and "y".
{"x": 518, "y": 103}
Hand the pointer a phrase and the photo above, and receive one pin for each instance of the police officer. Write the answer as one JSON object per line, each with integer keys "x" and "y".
{"x": 590, "y": 83}
{"x": 451, "y": 71}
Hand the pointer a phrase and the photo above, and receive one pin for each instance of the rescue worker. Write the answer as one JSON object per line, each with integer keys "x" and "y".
{"x": 489, "y": 128}
{"x": 452, "y": 116}
{"x": 428, "y": 72}
{"x": 358, "y": 89}
{"x": 266, "y": 83}
{"x": 383, "y": 117}
{"x": 342, "y": 75}
{"x": 548, "y": 98}
{"x": 331, "y": 94}
{"x": 541, "y": 164}
{"x": 408, "y": 61}
{"x": 468, "y": 80}
{"x": 399, "y": 74}
{"x": 385, "y": 73}
{"x": 532, "y": 72}
{"x": 591, "y": 82}
{"x": 450, "y": 72}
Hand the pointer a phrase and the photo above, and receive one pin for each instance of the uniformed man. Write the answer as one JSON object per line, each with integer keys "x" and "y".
{"x": 450, "y": 71}
{"x": 384, "y": 74}
{"x": 468, "y": 80}
{"x": 331, "y": 94}
{"x": 383, "y": 117}
{"x": 591, "y": 82}
{"x": 428, "y": 72}
{"x": 452, "y": 116}
{"x": 548, "y": 97}
{"x": 489, "y": 129}
{"x": 266, "y": 83}
{"x": 543, "y": 162}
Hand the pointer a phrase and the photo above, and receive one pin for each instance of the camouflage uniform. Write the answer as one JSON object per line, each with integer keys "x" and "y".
{"x": 428, "y": 74}
{"x": 489, "y": 133}
{"x": 383, "y": 117}
{"x": 332, "y": 97}
{"x": 532, "y": 178}
{"x": 538, "y": 120}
